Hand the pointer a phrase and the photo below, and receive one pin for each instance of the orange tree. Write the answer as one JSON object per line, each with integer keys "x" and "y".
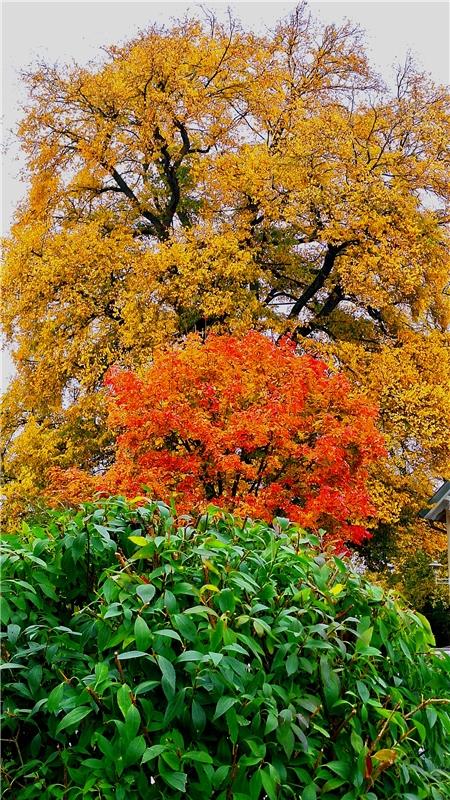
{"x": 246, "y": 425}
{"x": 203, "y": 176}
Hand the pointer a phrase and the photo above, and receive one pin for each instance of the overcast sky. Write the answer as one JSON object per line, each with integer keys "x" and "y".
{"x": 64, "y": 31}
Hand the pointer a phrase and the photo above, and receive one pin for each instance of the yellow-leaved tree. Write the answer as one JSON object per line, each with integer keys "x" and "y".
{"x": 202, "y": 177}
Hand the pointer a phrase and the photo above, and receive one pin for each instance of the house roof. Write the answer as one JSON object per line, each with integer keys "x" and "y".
{"x": 437, "y": 505}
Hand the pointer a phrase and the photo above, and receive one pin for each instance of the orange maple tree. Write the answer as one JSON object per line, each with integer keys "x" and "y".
{"x": 244, "y": 424}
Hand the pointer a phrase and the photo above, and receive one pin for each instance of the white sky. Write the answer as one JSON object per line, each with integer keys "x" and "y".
{"x": 65, "y": 31}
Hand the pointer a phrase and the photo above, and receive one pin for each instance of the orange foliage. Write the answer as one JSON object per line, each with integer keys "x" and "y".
{"x": 246, "y": 425}
{"x": 70, "y": 486}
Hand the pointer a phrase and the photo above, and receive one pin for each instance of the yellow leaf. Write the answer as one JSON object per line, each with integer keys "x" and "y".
{"x": 209, "y": 587}
{"x": 139, "y": 540}
{"x": 386, "y": 756}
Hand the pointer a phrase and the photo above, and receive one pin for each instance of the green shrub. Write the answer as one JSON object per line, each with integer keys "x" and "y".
{"x": 418, "y": 585}
{"x": 214, "y": 660}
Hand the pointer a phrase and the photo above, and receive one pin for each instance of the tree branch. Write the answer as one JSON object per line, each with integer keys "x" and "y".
{"x": 319, "y": 280}
{"x": 332, "y": 301}
{"x": 170, "y": 170}
{"x": 159, "y": 227}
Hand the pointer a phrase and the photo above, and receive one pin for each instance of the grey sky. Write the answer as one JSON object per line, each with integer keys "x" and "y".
{"x": 65, "y": 31}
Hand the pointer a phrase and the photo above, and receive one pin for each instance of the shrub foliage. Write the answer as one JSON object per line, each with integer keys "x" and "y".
{"x": 149, "y": 658}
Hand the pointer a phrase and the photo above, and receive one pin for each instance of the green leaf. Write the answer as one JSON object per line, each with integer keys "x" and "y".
{"x": 203, "y": 611}
{"x": 142, "y": 634}
{"x": 64, "y": 629}
{"x": 146, "y": 592}
{"x": 171, "y": 759}
{"x": 170, "y": 634}
{"x": 259, "y": 629}
{"x": 101, "y": 673}
{"x": 232, "y": 725}
{"x": 131, "y": 654}
{"x": 341, "y": 768}
{"x": 175, "y": 707}
{"x": 220, "y": 775}
{"x": 197, "y": 755}
{"x": 13, "y": 633}
{"x": 35, "y": 745}
{"x": 356, "y": 741}
{"x": 153, "y": 752}
{"x": 285, "y": 737}
{"x": 255, "y": 786}
{"x": 420, "y": 728}
{"x": 309, "y": 793}
{"x": 198, "y": 716}
{"x": 190, "y": 655}
{"x": 257, "y": 747}
{"x": 73, "y": 718}
{"x": 330, "y": 681}
{"x": 145, "y": 686}
{"x": 34, "y": 678}
{"x": 363, "y": 691}
{"x": 123, "y": 698}
{"x": 5, "y": 611}
{"x": 431, "y": 715}
{"x": 404, "y": 647}
{"x": 223, "y": 705}
{"x": 332, "y": 784}
{"x": 271, "y": 723}
{"x": 427, "y": 628}
{"x": 54, "y": 698}
{"x": 185, "y": 626}
{"x": 305, "y": 665}
{"x": 175, "y": 779}
{"x": 132, "y": 723}
{"x": 170, "y": 602}
{"x": 226, "y": 600}
{"x": 134, "y": 751}
{"x": 292, "y": 664}
{"x": 364, "y": 639}
{"x": 268, "y": 783}
{"x": 106, "y": 747}
{"x": 279, "y": 707}
{"x": 114, "y": 610}
{"x": 168, "y": 676}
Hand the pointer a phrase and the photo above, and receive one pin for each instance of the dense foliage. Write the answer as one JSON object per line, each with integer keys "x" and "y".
{"x": 204, "y": 176}
{"x": 417, "y": 580}
{"x": 210, "y": 659}
{"x": 247, "y": 425}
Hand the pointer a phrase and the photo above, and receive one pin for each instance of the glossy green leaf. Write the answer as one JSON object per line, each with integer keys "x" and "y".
{"x": 73, "y": 718}
{"x": 168, "y": 676}
{"x": 142, "y": 634}
{"x": 223, "y": 705}
{"x": 146, "y": 592}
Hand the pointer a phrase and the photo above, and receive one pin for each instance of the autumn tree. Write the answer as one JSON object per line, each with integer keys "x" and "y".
{"x": 203, "y": 176}
{"x": 243, "y": 424}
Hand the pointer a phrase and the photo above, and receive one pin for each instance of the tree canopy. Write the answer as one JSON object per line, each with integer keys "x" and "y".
{"x": 244, "y": 424}
{"x": 202, "y": 176}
